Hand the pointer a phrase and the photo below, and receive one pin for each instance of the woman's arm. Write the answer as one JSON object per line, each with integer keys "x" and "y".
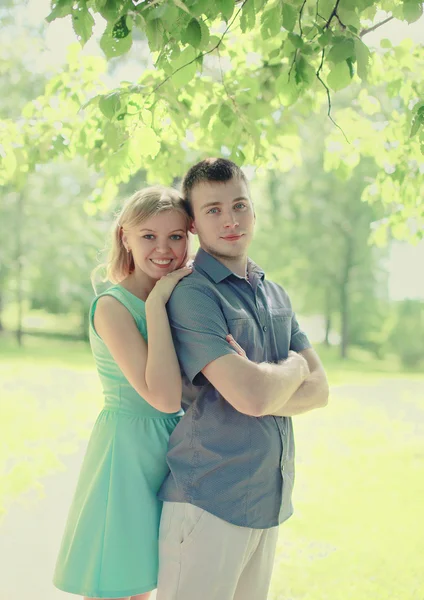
{"x": 152, "y": 370}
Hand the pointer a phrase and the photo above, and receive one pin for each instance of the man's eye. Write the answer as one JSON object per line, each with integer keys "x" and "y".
{"x": 213, "y": 211}
{"x": 240, "y": 205}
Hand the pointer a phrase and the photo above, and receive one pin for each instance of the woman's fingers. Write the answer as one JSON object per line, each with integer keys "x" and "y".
{"x": 235, "y": 345}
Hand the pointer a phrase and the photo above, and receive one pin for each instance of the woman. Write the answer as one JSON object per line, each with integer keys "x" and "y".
{"x": 109, "y": 548}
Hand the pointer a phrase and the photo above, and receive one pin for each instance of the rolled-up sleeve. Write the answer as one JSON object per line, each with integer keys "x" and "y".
{"x": 198, "y": 329}
{"x": 299, "y": 340}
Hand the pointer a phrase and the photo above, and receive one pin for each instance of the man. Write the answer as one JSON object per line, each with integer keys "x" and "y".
{"x": 231, "y": 457}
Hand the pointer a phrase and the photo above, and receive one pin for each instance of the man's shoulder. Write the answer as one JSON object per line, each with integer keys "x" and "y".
{"x": 277, "y": 292}
{"x": 195, "y": 285}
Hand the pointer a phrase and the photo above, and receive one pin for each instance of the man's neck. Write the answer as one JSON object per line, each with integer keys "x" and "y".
{"x": 237, "y": 265}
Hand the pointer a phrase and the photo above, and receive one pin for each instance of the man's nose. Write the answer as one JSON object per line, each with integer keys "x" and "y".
{"x": 230, "y": 220}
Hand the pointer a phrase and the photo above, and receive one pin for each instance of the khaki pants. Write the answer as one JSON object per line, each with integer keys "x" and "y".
{"x": 202, "y": 557}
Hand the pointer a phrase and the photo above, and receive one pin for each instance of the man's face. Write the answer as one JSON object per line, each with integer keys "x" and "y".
{"x": 223, "y": 218}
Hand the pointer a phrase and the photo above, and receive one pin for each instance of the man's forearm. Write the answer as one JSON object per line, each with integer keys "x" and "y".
{"x": 280, "y": 382}
{"x": 311, "y": 394}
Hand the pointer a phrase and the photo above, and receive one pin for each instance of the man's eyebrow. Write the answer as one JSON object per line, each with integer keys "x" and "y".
{"x": 217, "y": 202}
{"x": 207, "y": 204}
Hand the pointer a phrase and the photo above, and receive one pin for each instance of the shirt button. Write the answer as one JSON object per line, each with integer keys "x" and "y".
{"x": 265, "y": 328}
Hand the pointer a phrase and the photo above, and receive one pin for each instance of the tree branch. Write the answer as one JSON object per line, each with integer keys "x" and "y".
{"x": 332, "y": 15}
{"x": 318, "y": 74}
{"x": 300, "y": 17}
{"x": 201, "y": 55}
{"x": 374, "y": 27}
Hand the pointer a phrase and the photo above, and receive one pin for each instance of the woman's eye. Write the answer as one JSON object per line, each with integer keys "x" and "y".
{"x": 176, "y": 237}
{"x": 149, "y": 236}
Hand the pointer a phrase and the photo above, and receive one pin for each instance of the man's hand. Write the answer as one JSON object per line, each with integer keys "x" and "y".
{"x": 300, "y": 360}
{"x": 314, "y": 391}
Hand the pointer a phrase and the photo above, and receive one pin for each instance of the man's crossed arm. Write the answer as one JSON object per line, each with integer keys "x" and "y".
{"x": 291, "y": 387}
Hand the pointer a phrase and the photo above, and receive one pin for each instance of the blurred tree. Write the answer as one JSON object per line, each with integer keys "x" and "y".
{"x": 314, "y": 239}
{"x": 407, "y": 336}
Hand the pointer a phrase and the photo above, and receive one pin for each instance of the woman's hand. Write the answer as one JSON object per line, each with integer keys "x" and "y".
{"x": 166, "y": 284}
{"x": 236, "y": 346}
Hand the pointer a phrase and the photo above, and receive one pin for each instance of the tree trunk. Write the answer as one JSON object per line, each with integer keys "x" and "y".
{"x": 344, "y": 319}
{"x": 328, "y": 317}
{"x": 344, "y": 298}
{"x": 19, "y": 282}
{"x": 84, "y": 323}
{"x": 1, "y": 311}
{"x": 327, "y": 329}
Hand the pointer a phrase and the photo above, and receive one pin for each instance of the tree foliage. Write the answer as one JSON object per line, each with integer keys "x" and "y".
{"x": 235, "y": 79}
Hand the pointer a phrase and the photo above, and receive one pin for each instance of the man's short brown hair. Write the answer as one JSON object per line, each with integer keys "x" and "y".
{"x": 212, "y": 170}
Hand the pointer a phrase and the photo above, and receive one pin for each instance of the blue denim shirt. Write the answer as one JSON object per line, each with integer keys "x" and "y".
{"x": 237, "y": 467}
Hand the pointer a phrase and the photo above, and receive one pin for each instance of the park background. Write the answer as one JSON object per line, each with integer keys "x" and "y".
{"x": 340, "y": 221}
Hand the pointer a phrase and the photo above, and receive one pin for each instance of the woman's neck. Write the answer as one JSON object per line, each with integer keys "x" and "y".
{"x": 139, "y": 284}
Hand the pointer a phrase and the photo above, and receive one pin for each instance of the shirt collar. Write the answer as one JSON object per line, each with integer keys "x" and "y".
{"x": 217, "y": 271}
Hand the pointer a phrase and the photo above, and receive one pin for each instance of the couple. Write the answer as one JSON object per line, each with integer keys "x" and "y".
{"x": 219, "y": 479}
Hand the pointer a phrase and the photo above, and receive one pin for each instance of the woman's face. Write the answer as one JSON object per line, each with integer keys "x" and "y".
{"x": 159, "y": 244}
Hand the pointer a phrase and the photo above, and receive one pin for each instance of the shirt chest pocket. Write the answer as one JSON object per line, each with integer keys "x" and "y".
{"x": 266, "y": 340}
{"x": 248, "y": 335}
{"x": 281, "y": 325}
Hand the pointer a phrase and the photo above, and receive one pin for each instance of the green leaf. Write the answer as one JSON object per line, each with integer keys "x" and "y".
{"x": 60, "y": 8}
{"x": 181, "y": 5}
{"x": 185, "y": 67}
{"x": 112, "y": 136}
{"x": 341, "y": 51}
{"x": 296, "y": 40}
{"x": 271, "y": 22}
{"x": 226, "y": 115}
{"x": 110, "y": 104}
{"x": 82, "y": 22}
{"x": 417, "y": 121}
{"x": 144, "y": 142}
{"x": 362, "y": 59}
{"x": 305, "y": 73}
{"x": 286, "y": 88}
{"x": 154, "y": 32}
{"x": 289, "y": 16}
{"x": 325, "y": 38}
{"x": 348, "y": 16}
{"x": 156, "y": 12}
{"x": 109, "y": 9}
{"x": 412, "y": 10}
{"x": 385, "y": 43}
{"x": 204, "y": 29}
{"x": 114, "y": 47}
{"x": 248, "y": 16}
{"x": 120, "y": 29}
{"x": 193, "y": 34}
{"x": 205, "y": 119}
{"x": 226, "y": 7}
{"x": 339, "y": 76}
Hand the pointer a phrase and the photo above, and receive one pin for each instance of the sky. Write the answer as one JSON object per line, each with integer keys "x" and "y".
{"x": 405, "y": 262}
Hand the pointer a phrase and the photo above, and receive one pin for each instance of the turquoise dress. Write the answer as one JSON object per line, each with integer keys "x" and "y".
{"x": 110, "y": 544}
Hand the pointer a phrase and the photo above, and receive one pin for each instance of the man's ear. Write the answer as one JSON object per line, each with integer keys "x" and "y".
{"x": 192, "y": 228}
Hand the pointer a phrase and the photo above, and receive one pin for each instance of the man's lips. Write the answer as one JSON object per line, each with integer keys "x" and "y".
{"x": 232, "y": 238}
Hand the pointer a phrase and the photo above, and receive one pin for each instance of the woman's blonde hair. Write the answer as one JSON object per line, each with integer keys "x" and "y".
{"x": 142, "y": 205}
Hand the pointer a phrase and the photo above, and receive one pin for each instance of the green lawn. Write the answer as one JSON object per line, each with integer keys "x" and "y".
{"x": 357, "y": 529}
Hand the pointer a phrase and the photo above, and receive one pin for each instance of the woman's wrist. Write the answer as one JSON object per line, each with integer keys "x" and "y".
{"x": 155, "y": 303}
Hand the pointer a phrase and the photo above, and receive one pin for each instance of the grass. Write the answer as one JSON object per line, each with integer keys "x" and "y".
{"x": 356, "y": 532}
